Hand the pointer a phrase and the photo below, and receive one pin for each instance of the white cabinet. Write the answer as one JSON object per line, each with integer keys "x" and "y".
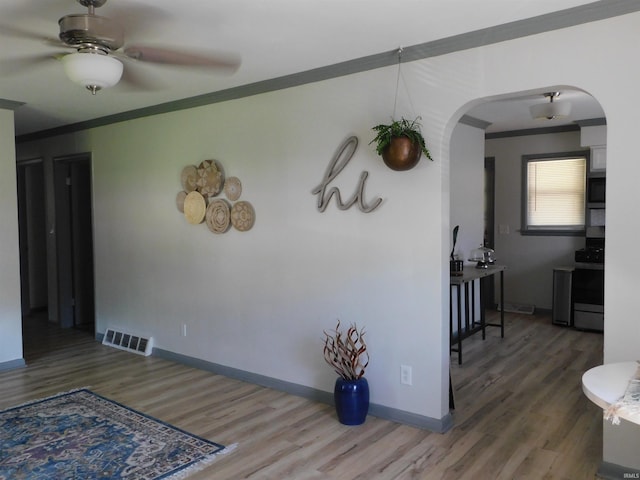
{"x": 598, "y": 158}
{"x": 595, "y": 137}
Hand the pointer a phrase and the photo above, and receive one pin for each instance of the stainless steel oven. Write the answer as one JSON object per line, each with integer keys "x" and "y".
{"x": 588, "y": 295}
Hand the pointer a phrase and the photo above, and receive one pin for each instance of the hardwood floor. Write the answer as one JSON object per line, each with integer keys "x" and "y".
{"x": 520, "y": 412}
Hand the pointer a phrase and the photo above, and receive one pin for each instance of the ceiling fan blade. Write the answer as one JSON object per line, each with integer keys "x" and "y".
{"x": 11, "y": 31}
{"x": 14, "y": 66}
{"x": 56, "y": 42}
{"x": 182, "y": 57}
{"x": 15, "y": 32}
{"x": 133, "y": 78}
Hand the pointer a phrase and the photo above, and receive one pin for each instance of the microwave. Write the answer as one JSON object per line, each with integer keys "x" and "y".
{"x": 596, "y": 189}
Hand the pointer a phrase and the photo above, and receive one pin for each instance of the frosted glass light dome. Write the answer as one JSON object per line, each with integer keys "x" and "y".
{"x": 551, "y": 109}
{"x": 92, "y": 70}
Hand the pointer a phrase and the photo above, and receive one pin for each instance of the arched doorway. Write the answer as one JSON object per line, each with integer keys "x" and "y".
{"x": 503, "y": 130}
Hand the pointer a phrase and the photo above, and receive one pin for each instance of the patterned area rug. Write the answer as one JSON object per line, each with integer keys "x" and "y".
{"x": 81, "y": 435}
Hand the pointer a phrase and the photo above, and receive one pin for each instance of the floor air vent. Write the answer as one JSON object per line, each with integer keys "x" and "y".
{"x": 128, "y": 342}
{"x": 516, "y": 308}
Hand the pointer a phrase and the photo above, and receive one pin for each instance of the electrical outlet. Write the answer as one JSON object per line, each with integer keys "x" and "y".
{"x": 184, "y": 329}
{"x": 405, "y": 375}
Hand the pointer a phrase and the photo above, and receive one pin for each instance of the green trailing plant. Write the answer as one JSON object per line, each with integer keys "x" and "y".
{"x": 399, "y": 128}
{"x": 346, "y": 352}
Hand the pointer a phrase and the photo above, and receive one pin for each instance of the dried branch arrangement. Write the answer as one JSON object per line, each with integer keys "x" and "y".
{"x": 346, "y": 353}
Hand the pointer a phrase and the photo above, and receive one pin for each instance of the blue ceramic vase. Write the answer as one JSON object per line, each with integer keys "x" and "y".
{"x": 352, "y": 400}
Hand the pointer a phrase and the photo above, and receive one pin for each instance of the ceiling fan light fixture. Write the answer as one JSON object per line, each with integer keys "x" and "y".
{"x": 552, "y": 109}
{"x": 92, "y": 70}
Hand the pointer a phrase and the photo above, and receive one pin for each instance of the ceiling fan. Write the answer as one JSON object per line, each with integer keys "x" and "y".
{"x": 100, "y": 48}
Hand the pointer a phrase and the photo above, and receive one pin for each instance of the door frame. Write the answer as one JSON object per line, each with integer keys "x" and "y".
{"x": 72, "y": 182}
{"x": 489, "y": 239}
{"x": 27, "y": 231}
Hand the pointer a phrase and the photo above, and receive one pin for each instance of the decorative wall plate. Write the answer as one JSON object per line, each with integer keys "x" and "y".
{"x": 195, "y": 207}
{"x": 233, "y": 188}
{"x": 189, "y": 177}
{"x": 180, "y": 200}
{"x": 218, "y": 216}
{"x": 242, "y": 216}
{"x": 210, "y": 178}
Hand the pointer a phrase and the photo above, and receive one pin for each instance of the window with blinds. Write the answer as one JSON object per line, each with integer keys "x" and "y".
{"x": 554, "y": 194}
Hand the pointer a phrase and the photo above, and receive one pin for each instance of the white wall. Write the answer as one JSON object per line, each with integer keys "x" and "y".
{"x": 467, "y": 199}
{"x": 275, "y": 288}
{"x": 467, "y": 188}
{"x": 259, "y": 300}
{"x": 530, "y": 259}
{"x": 10, "y": 313}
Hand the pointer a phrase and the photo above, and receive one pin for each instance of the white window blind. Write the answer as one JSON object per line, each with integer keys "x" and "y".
{"x": 556, "y": 193}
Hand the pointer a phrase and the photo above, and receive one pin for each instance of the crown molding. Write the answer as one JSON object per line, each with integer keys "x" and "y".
{"x": 592, "y": 122}
{"x": 533, "y": 131}
{"x": 474, "y": 122}
{"x": 9, "y": 104}
{"x": 582, "y": 14}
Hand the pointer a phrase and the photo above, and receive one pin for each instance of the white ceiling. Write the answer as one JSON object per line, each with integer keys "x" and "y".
{"x": 512, "y": 112}
{"x": 273, "y": 37}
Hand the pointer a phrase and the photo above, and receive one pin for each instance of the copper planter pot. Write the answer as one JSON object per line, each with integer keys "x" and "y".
{"x": 401, "y": 154}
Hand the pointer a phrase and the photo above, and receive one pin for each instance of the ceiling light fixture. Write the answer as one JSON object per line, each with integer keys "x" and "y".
{"x": 93, "y": 69}
{"x": 551, "y": 110}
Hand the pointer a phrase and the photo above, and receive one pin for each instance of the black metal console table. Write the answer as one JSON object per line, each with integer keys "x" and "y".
{"x": 471, "y": 325}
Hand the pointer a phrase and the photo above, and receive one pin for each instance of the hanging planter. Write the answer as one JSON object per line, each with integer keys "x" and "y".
{"x": 401, "y": 154}
{"x": 400, "y": 144}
